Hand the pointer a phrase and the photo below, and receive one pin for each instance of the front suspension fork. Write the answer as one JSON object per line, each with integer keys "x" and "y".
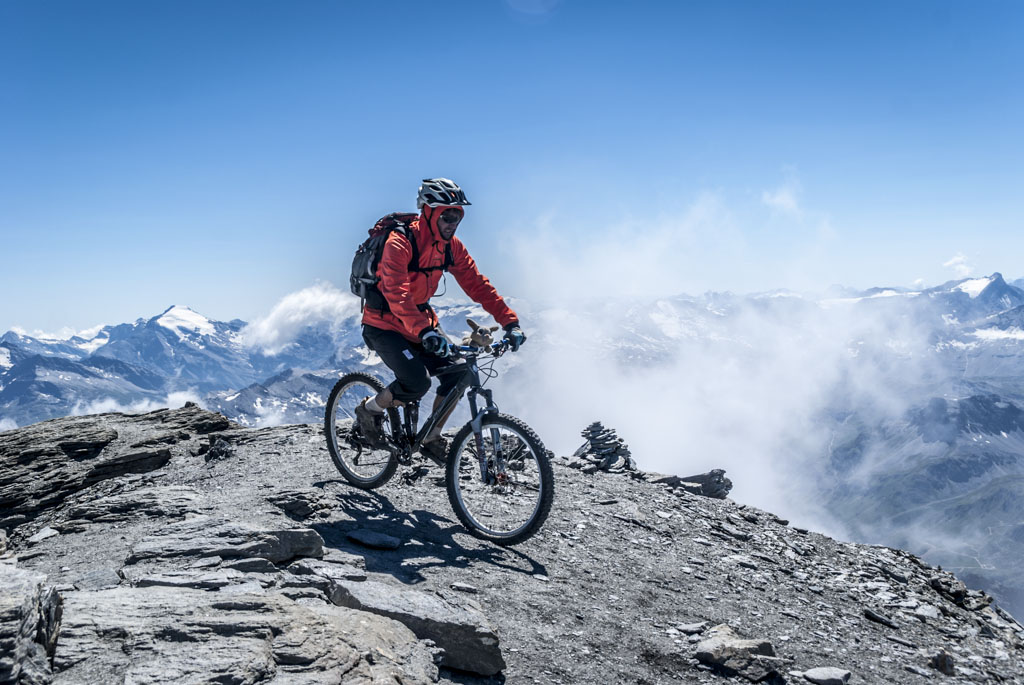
{"x": 492, "y": 471}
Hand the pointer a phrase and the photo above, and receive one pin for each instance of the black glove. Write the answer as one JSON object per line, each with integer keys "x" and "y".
{"x": 515, "y": 336}
{"x": 435, "y": 343}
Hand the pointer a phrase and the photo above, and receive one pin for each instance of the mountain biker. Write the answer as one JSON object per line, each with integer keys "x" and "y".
{"x": 407, "y": 334}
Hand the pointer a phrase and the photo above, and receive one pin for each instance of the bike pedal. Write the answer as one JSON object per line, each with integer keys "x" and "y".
{"x": 412, "y": 475}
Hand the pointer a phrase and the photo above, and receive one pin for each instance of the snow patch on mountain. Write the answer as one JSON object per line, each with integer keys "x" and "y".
{"x": 96, "y": 342}
{"x": 5, "y": 358}
{"x": 974, "y": 286}
{"x": 183, "y": 321}
{"x": 996, "y": 334}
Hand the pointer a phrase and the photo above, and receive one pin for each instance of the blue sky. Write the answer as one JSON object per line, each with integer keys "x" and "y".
{"x": 224, "y": 154}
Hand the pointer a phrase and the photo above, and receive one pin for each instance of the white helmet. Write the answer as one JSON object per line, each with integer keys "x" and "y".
{"x": 440, "y": 192}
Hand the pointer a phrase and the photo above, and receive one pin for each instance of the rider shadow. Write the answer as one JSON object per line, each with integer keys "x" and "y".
{"x": 428, "y": 540}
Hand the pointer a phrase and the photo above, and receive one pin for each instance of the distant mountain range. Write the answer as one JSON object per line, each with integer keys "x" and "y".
{"x": 916, "y": 444}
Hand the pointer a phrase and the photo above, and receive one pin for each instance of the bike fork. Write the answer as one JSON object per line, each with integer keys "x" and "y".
{"x": 490, "y": 471}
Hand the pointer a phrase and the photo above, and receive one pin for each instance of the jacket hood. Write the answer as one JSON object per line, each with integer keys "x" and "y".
{"x": 429, "y": 216}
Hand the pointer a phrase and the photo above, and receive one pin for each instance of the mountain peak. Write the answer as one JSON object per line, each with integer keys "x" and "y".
{"x": 185, "y": 321}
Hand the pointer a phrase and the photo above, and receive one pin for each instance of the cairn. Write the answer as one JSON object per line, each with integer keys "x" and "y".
{"x": 602, "y": 451}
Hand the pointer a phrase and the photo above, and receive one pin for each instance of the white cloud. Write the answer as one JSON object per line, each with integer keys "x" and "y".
{"x": 782, "y": 199}
{"x": 62, "y": 334}
{"x": 786, "y": 197}
{"x": 106, "y": 405}
{"x": 746, "y": 392}
{"x": 7, "y": 424}
{"x": 959, "y": 266}
{"x": 316, "y": 304}
{"x": 639, "y": 256}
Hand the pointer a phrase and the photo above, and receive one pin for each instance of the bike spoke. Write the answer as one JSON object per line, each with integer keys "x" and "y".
{"x": 508, "y": 501}
{"x": 359, "y": 461}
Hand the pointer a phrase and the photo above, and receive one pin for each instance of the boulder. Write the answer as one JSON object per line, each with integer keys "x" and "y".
{"x": 943, "y": 662}
{"x": 725, "y": 649}
{"x": 374, "y": 540}
{"x": 711, "y": 484}
{"x": 466, "y": 638}
{"x": 827, "y": 675}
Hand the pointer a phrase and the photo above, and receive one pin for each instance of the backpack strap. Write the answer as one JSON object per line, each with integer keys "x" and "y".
{"x": 399, "y": 223}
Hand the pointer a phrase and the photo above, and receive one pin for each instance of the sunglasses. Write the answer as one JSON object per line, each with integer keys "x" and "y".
{"x": 451, "y": 216}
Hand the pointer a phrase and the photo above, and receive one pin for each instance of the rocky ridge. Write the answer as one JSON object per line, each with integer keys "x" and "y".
{"x": 176, "y": 546}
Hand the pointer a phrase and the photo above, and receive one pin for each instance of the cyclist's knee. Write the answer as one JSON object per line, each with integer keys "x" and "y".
{"x": 411, "y": 389}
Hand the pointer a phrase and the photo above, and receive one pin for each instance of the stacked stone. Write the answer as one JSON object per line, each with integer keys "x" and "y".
{"x": 603, "y": 450}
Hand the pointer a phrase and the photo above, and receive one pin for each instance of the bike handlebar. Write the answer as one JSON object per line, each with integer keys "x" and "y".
{"x": 493, "y": 348}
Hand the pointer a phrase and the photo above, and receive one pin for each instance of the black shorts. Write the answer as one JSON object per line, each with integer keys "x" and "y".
{"x": 411, "y": 364}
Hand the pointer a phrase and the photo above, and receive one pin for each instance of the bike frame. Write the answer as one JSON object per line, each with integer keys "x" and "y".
{"x": 410, "y": 439}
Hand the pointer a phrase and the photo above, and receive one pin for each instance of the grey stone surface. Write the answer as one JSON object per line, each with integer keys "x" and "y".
{"x": 97, "y": 579}
{"x": 299, "y": 503}
{"x": 205, "y": 536}
{"x": 468, "y": 640}
{"x": 166, "y": 502}
{"x": 201, "y": 580}
{"x": 165, "y": 635}
{"x": 328, "y": 570}
{"x": 30, "y": 619}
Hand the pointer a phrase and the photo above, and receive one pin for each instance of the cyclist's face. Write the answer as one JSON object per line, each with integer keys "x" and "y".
{"x": 448, "y": 221}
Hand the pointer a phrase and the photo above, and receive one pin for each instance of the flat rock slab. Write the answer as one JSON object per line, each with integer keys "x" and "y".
{"x": 30, "y": 617}
{"x": 827, "y": 675}
{"x": 204, "y": 536}
{"x": 43, "y": 534}
{"x": 326, "y": 569}
{"x": 168, "y": 501}
{"x": 374, "y": 540}
{"x": 174, "y": 635}
{"x": 468, "y": 640}
{"x": 200, "y": 580}
{"x": 97, "y": 579}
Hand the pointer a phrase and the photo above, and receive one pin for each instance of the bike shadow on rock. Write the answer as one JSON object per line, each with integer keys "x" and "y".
{"x": 428, "y": 539}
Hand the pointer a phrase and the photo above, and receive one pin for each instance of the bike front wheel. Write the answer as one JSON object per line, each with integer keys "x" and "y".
{"x": 362, "y": 464}
{"x": 500, "y": 481}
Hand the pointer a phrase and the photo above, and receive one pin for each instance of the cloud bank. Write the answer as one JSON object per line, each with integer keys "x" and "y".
{"x": 319, "y": 303}
{"x": 106, "y": 405}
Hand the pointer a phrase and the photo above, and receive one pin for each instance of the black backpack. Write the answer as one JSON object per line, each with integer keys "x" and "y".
{"x": 363, "y": 281}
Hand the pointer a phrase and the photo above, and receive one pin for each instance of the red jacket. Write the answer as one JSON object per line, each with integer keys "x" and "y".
{"x": 405, "y": 290}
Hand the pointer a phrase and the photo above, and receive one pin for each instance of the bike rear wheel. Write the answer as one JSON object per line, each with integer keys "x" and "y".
{"x": 363, "y": 465}
{"x": 500, "y": 483}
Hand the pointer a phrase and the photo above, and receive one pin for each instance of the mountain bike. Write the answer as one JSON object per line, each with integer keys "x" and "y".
{"x": 497, "y": 471}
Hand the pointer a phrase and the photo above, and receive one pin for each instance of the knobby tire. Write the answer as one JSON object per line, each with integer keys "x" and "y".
{"x": 545, "y": 475}
{"x": 339, "y": 452}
